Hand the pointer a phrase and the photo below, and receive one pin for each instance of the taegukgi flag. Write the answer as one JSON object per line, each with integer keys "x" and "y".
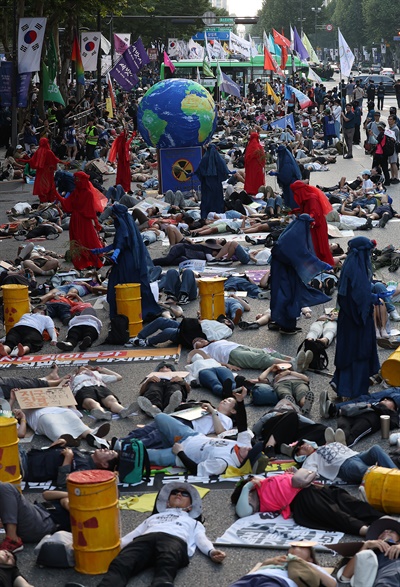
{"x": 30, "y": 43}
{"x": 90, "y": 45}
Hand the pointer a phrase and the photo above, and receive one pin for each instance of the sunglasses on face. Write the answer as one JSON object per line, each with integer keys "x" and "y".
{"x": 181, "y": 491}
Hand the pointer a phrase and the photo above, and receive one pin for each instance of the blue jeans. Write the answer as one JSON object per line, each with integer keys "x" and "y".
{"x": 231, "y": 214}
{"x": 242, "y": 254}
{"x": 169, "y": 331}
{"x": 264, "y": 395}
{"x": 214, "y": 378}
{"x": 171, "y": 431}
{"x": 241, "y": 284}
{"x": 380, "y": 287}
{"x": 394, "y": 394}
{"x": 59, "y": 310}
{"x": 354, "y": 468}
{"x": 171, "y": 283}
{"x": 231, "y": 305}
{"x": 275, "y": 202}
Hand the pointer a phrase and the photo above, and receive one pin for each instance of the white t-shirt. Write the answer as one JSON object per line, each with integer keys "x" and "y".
{"x": 283, "y": 575}
{"x": 86, "y": 320}
{"x": 214, "y": 330}
{"x": 87, "y": 379}
{"x": 213, "y": 455}
{"x": 33, "y": 415}
{"x": 195, "y": 368}
{"x": 221, "y": 350}
{"x": 178, "y": 523}
{"x": 205, "y": 424}
{"x": 367, "y": 184}
{"x": 328, "y": 459}
{"x": 40, "y": 323}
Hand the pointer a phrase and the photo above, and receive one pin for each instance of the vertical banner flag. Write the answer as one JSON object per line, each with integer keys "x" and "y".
{"x": 136, "y": 56}
{"x": 76, "y": 56}
{"x": 280, "y": 39}
{"x": 52, "y": 58}
{"x": 30, "y": 43}
{"x": 310, "y": 49}
{"x": 105, "y": 45}
{"x": 121, "y": 42}
{"x": 23, "y": 81}
{"x": 270, "y": 92}
{"x": 253, "y": 50}
{"x": 239, "y": 45}
{"x": 298, "y": 46}
{"x": 226, "y": 84}
{"x": 168, "y": 62}
{"x": 304, "y": 100}
{"x": 124, "y": 76}
{"x": 90, "y": 45}
{"x": 196, "y": 51}
{"x": 51, "y": 92}
{"x": 345, "y": 55}
{"x": 207, "y": 71}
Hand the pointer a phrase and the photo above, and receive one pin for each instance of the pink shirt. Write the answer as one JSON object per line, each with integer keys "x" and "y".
{"x": 277, "y": 493}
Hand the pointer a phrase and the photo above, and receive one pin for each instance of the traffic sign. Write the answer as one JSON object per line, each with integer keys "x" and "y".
{"x": 227, "y": 20}
{"x": 329, "y": 27}
{"x": 209, "y": 17}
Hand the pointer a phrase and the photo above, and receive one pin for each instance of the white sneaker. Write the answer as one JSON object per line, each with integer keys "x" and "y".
{"x": 394, "y": 438}
{"x": 395, "y": 316}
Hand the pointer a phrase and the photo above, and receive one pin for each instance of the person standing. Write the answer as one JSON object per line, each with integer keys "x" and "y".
{"x": 371, "y": 92}
{"x": 212, "y": 171}
{"x": 348, "y": 125}
{"x": 393, "y": 160}
{"x": 92, "y": 137}
{"x": 336, "y": 113}
{"x": 357, "y": 123}
{"x": 380, "y": 92}
{"x": 358, "y": 94}
{"x": 254, "y": 161}
{"x": 397, "y": 91}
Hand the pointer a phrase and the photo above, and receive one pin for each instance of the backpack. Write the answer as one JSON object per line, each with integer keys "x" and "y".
{"x": 320, "y": 358}
{"x": 69, "y": 135}
{"x": 134, "y": 463}
{"x": 388, "y": 147}
{"x": 119, "y": 330}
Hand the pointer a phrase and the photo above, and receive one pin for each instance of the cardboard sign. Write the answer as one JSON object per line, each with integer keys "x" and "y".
{"x": 190, "y": 414}
{"x": 168, "y": 374}
{"x": 45, "y": 397}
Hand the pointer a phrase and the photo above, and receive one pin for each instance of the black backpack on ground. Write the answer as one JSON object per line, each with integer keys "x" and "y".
{"x": 134, "y": 463}
{"x": 119, "y": 330}
{"x": 320, "y": 358}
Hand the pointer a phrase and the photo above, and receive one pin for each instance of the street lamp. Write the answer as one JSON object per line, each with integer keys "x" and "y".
{"x": 316, "y": 12}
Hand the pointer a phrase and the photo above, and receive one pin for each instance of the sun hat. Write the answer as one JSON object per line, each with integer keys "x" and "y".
{"x": 165, "y": 492}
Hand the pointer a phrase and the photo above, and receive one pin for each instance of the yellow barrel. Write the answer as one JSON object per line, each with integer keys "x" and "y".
{"x": 16, "y": 303}
{"x": 382, "y": 489}
{"x": 212, "y": 301}
{"x": 129, "y": 303}
{"x": 390, "y": 369}
{"x": 9, "y": 456}
{"x": 93, "y": 501}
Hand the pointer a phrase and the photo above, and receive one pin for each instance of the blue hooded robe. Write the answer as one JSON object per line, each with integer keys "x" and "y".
{"x": 211, "y": 172}
{"x": 288, "y": 173}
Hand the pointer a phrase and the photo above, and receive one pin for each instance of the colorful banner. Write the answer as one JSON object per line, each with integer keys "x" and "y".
{"x": 168, "y": 62}
{"x": 30, "y": 43}
{"x": 136, "y": 56}
{"x": 121, "y": 42}
{"x": 76, "y": 359}
{"x": 51, "y": 91}
{"x": 283, "y": 122}
{"x": 239, "y": 45}
{"x": 196, "y": 51}
{"x": 226, "y": 84}
{"x": 124, "y": 76}
{"x": 304, "y": 100}
{"x": 77, "y": 58}
{"x": 90, "y": 46}
{"x": 23, "y": 81}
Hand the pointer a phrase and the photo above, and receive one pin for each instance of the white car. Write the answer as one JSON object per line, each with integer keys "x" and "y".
{"x": 387, "y": 71}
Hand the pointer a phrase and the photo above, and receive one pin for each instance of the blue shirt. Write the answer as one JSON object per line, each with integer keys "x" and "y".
{"x": 351, "y": 122}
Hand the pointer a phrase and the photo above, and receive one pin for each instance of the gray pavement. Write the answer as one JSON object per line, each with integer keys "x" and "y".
{"x": 218, "y": 512}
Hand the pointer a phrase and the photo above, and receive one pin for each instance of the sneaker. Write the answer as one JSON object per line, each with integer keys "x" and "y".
{"x": 126, "y": 412}
{"x": 147, "y": 407}
{"x": 224, "y": 262}
{"x": 324, "y": 404}
{"x": 238, "y": 316}
{"x": 308, "y": 359}
{"x": 289, "y": 330}
{"x": 393, "y": 180}
{"x": 329, "y": 435}
{"x": 101, "y": 430}
{"x": 97, "y": 442}
{"x": 286, "y": 449}
{"x": 250, "y": 240}
{"x": 309, "y": 400}
{"x": 12, "y": 545}
{"x": 362, "y": 496}
{"x": 300, "y": 361}
{"x": 393, "y": 438}
{"x": 340, "y": 436}
{"x": 100, "y": 414}
{"x": 139, "y": 342}
{"x": 65, "y": 346}
{"x": 183, "y": 299}
{"x": 248, "y": 325}
{"x": 384, "y": 220}
{"x": 394, "y": 316}
{"x": 86, "y": 343}
{"x": 174, "y": 401}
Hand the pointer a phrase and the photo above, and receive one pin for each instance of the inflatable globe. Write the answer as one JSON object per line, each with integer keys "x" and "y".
{"x": 176, "y": 113}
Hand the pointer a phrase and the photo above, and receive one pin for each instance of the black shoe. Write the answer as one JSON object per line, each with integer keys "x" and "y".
{"x": 86, "y": 343}
{"x": 395, "y": 265}
{"x": 290, "y": 330}
{"x": 348, "y": 157}
{"x": 183, "y": 299}
{"x": 395, "y": 180}
{"x": 329, "y": 286}
{"x": 227, "y": 388}
{"x": 65, "y": 346}
{"x": 250, "y": 240}
{"x": 366, "y": 226}
{"x": 248, "y": 325}
{"x": 384, "y": 220}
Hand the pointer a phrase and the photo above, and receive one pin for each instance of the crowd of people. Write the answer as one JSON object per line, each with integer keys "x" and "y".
{"x": 239, "y": 216}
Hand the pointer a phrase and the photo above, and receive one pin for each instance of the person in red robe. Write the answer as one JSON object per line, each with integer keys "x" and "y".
{"x": 45, "y": 163}
{"x": 120, "y": 150}
{"x": 84, "y": 203}
{"x": 315, "y": 203}
{"x": 254, "y": 164}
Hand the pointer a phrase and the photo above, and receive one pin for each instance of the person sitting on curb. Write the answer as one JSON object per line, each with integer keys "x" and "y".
{"x": 91, "y": 393}
{"x": 165, "y": 541}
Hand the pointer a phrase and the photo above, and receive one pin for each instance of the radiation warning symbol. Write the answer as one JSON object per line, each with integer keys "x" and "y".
{"x": 181, "y": 169}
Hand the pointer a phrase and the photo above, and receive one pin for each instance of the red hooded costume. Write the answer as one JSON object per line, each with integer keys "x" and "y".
{"x": 45, "y": 163}
{"x": 315, "y": 203}
{"x": 84, "y": 203}
{"x": 254, "y": 164}
{"x": 120, "y": 150}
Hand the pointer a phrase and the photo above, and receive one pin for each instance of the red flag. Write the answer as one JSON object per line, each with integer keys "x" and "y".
{"x": 268, "y": 63}
{"x": 168, "y": 62}
{"x": 280, "y": 39}
{"x": 284, "y": 56}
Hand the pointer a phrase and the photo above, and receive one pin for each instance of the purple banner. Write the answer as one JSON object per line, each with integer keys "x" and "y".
{"x": 136, "y": 56}
{"x": 23, "y": 81}
{"x": 5, "y": 83}
{"x": 123, "y": 75}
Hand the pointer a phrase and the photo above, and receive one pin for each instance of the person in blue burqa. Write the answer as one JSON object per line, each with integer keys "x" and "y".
{"x": 288, "y": 172}
{"x": 131, "y": 262}
{"x": 293, "y": 265}
{"x": 211, "y": 172}
{"x": 356, "y": 357}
